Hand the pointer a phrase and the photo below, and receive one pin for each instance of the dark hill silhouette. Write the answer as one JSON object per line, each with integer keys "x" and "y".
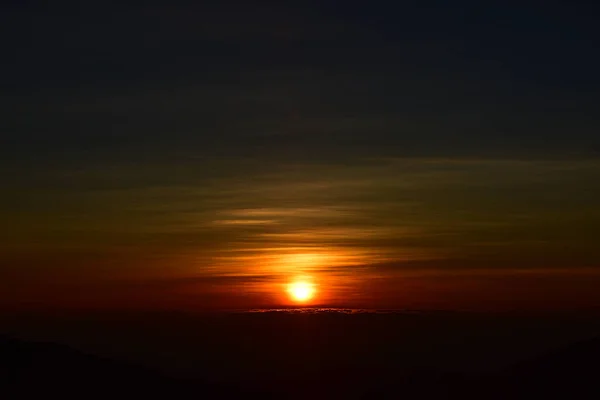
{"x": 569, "y": 372}
{"x": 33, "y": 369}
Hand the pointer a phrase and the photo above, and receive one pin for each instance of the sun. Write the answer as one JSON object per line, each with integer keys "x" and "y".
{"x": 301, "y": 291}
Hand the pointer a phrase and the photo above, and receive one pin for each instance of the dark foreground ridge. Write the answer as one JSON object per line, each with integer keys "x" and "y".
{"x": 35, "y": 369}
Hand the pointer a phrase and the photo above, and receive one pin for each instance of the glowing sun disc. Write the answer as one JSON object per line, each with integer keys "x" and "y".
{"x": 301, "y": 291}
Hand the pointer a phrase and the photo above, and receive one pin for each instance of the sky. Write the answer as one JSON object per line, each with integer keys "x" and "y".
{"x": 412, "y": 155}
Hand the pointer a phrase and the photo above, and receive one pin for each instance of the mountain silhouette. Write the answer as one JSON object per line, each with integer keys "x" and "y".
{"x": 569, "y": 372}
{"x": 34, "y": 369}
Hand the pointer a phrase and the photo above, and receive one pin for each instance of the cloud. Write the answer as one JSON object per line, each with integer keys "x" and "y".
{"x": 235, "y": 219}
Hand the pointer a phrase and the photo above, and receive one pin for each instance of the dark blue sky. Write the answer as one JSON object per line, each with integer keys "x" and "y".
{"x": 438, "y": 78}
